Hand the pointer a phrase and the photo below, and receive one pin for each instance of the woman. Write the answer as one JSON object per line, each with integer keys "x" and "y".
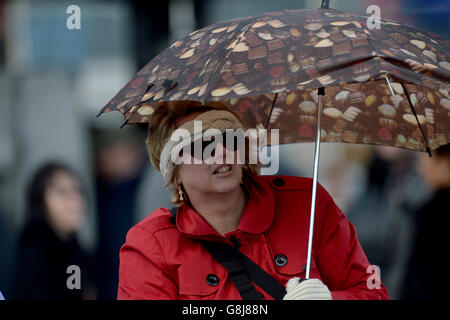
{"x": 55, "y": 208}
{"x": 265, "y": 218}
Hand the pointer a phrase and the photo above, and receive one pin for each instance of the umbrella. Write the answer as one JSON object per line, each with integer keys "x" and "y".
{"x": 316, "y": 75}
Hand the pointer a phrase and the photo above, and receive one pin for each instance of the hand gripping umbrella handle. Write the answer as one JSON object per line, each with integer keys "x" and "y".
{"x": 320, "y": 94}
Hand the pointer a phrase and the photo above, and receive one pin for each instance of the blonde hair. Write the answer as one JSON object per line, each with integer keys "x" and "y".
{"x": 163, "y": 123}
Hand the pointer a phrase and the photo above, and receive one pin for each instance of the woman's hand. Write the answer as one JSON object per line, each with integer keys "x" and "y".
{"x": 310, "y": 289}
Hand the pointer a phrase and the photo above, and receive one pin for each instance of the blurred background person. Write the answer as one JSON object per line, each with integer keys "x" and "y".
{"x": 55, "y": 212}
{"x": 119, "y": 167}
{"x": 7, "y": 249}
{"x": 383, "y": 212}
{"x": 425, "y": 270}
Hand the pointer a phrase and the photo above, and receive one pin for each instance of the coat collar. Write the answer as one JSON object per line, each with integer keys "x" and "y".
{"x": 256, "y": 218}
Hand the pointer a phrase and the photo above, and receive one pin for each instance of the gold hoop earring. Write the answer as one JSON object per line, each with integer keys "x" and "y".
{"x": 180, "y": 193}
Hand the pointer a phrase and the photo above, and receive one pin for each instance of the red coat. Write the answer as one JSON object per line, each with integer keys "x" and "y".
{"x": 162, "y": 261}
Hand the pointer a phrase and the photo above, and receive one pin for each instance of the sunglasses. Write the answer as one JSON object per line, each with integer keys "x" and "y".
{"x": 228, "y": 139}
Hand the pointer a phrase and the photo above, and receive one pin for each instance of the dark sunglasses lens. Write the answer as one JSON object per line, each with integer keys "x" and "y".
{"x": 193, "y": 149}
{"x": 205, "y": 143}
{"x": 226, "y": 137}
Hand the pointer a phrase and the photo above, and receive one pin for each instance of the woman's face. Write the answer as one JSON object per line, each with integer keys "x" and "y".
{"x": 65, "y": 203}
{"x": 204, "y": 178}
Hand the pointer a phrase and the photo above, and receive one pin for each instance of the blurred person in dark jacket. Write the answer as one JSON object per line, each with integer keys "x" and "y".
{"x": 423, "y": 278}
{"x": 7, "y": 252}
{"x": 51, "y": 264}
{"x": 120, "y": 163}
{"x": 384, "y": 212}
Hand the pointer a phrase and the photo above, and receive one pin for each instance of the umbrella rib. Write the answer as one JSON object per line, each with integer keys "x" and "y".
{"x": 417, "y": 119}
{"x": 271, "y": 109}
{"x": 437, "y": 76}
{"x": 241, "y": 36}
{"x": 345, "y": 65}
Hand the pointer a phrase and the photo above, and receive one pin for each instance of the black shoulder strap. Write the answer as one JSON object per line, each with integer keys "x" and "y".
{"x": 242, "y": 269}
{"x": 259, "y": 276}
{"x": 224, "y": 254}
{"x": 173, "y": 215}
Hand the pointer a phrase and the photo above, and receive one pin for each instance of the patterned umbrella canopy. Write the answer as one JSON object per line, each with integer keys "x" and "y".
{"x": 387, "y": 86}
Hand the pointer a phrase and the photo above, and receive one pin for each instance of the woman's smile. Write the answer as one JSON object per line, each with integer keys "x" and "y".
{"x": 224, "y": 170}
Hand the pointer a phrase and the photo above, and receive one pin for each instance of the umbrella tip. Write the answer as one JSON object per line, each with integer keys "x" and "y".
{"x": 124, "y": 123}
{"x": 168, "y": 85}
{"x": 325, "y": 4}
{"x": 321, "y": 91}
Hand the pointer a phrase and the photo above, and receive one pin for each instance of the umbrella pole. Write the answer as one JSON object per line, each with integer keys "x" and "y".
{"x": 320, "y": 94}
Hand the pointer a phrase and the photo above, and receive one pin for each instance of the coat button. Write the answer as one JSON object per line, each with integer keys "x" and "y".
{"x": 212, "y": 280}
{"x": 280, "y": 260}
{"x": 278, "y": 182}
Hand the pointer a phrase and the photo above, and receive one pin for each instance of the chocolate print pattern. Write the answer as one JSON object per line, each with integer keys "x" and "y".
{"x": 245, "y": 62}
